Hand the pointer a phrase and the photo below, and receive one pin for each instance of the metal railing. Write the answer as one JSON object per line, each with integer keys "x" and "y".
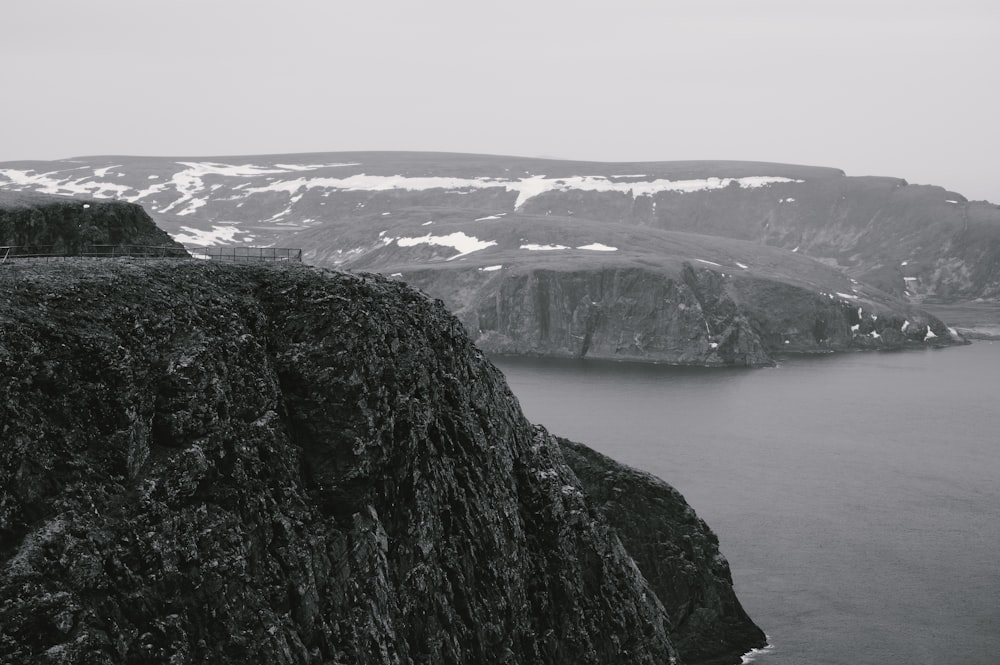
{"x": 238, "y": 254}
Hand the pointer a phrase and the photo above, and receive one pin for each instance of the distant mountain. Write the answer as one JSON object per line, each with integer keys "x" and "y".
{"x": 690, "y": 262}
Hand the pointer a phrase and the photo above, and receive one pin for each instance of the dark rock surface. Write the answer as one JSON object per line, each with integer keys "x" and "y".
{"x": 43, "y": 223}
{"x": 203, "y": 463}
{"x": 687, "y": 316}
{"x": 675, "y": 550}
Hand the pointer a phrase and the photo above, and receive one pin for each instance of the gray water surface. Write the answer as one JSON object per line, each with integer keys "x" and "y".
{"x": 857, "y": 497}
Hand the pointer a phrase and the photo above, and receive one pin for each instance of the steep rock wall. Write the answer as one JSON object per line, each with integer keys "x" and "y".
{"x": 676, "y": 552}
{"x": 232, "y": 464}
{"x": 696, "y": 316}
{"x": 43, "y": 223}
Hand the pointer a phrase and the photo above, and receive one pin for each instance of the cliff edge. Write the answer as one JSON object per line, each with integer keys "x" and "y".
{"x": 49, "y": 224}
{"x": 232, "y": 464}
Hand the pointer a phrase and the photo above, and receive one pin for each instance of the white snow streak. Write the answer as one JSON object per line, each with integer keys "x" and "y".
{"x": 542, "y": 248}
{"x": 526, "y": 188}
{"x": 458, "y": 240}
{"x": 598, "y": 247}
{"x": 219, "y": 235}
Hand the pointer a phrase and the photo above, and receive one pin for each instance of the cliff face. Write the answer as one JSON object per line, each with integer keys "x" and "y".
{"x": 41, "y": 223}
{"x": 232, "y": 464}
{"x": 677, "y": 553}
{"x": 690, "y": 316}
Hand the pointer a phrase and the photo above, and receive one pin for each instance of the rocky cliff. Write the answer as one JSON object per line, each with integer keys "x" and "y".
{"x": 677, "y": 553}
{"x": 230, "y": 464}
{"x": 689, "y": 314}
{"x": 42, "y": 223}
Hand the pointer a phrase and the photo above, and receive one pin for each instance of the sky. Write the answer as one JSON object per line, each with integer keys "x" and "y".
{"x": 875, "y": 87}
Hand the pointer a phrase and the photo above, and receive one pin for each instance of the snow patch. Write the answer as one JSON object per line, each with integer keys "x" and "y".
{"x": 459, "y": 241}
{"x": 847, "y": 295}
{"x": 491, "y": 268}
{"x": 426, "y": 223}
{"x": 58, "y": 183}
{"x": 711, "y": 263}
{"x": 313, "y": 167}
{"x": 930, "y": 334}
{"x": 194, "y": 204}
{"x": 219, "y": 235}
{"x": 742, "y": 265}
{"x": 598, "y": 247}
{"x": 497, "y": 216}
{"x": 906, "y": 324}
{"x": 103, "y": 173}
{"x": 527, "y": 188}
{"x": 542, "y": 248}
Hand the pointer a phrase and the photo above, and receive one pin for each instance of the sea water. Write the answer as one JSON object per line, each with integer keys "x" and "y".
{"x": 856, "y": 497}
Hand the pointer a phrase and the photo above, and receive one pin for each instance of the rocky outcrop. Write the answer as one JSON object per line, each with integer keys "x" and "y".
{"x": 691, "y": 316}
{"x": 676, "y": 551}
{"x": 47, "y": 224}
{"x": 231, "y": 464}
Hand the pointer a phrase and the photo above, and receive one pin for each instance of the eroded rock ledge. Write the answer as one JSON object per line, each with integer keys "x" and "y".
{"x": 234, "y": 464}
{"x": 48, "y": 224}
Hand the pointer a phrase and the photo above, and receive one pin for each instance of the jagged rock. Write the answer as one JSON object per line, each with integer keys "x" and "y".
{"x": 689, "y": 316}
{"x": 43, "y": 223}
{"x": 675, "y": 550}
{"x": 230, "y": 464}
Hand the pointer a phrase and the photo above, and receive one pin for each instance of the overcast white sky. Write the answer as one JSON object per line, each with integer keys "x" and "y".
{"x": 875, "y": 87}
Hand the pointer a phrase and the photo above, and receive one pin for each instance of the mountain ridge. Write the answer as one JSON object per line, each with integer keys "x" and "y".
{"x": 407, "y": 214}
